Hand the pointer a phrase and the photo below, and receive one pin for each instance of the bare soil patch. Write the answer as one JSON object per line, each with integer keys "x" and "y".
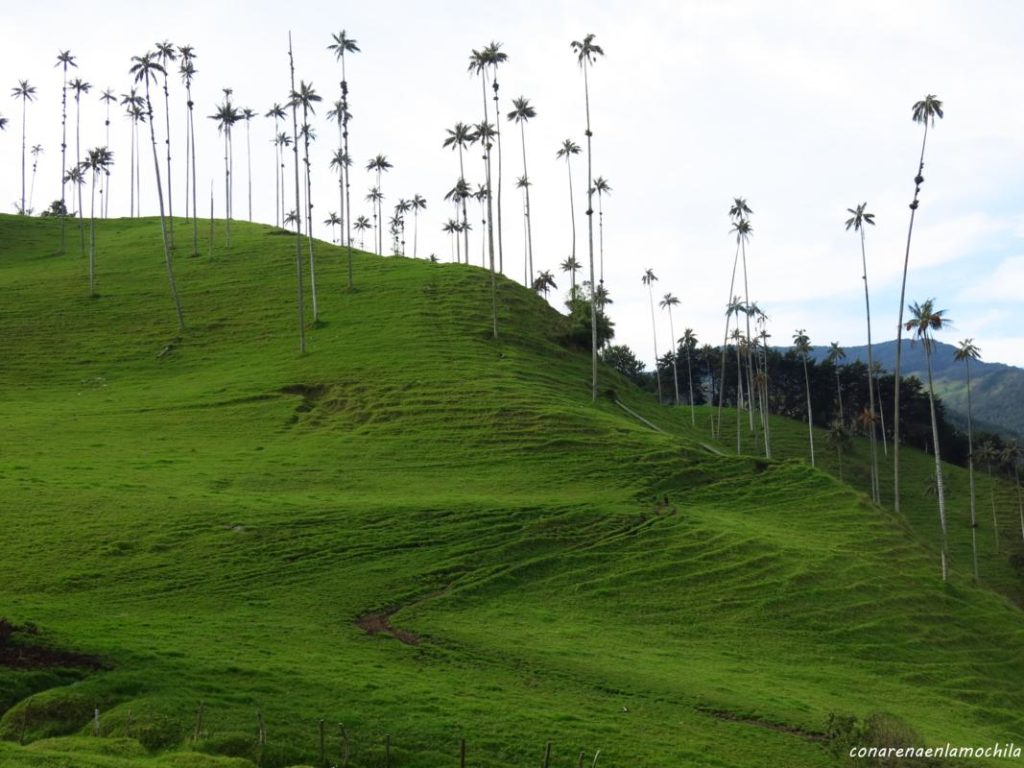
{"x": 20, "y": 650}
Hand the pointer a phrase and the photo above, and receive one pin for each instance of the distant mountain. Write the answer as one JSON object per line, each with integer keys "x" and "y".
{"x": 997, "y": 389}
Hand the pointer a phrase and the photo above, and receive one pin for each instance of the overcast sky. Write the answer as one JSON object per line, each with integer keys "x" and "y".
{"x": 803, "y": 108}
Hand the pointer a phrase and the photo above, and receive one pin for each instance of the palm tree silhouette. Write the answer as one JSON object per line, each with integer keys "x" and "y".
{"x": 587, "y": 52}
{"x": 924, "y": 111}
{"x": 857, "y": 220}
{"x": 107, "y": 97}
{"x": 802, "y": 345}
{"x": 339, "y": 161}
{"x": 495, "y": 56}
{"x": 459, "y": 138}
{"x": 451, "y": 228}
{"x": 133, "y": 104}
{"x": 689, "y": 342}
{"x": 522, "y": 112}
{"x": 277, "y": 112}
{"x": 37, "y": 150}
{"x": 79, "y": 86}
{"x": 742, "y": 228}
{"x": 834, "y": 355}
{"x": 26, "y": 93}
{"x": 332, "y": 221}
{"x": 97, "y": 161}
{"x": 544, "y": 282}
{"x": 602, "y": 188}
{"x": 307, "y": 96}
{"x": 166, "y": 53}
{"x": 64, "y": 60}
{"x": 248, "y": 115}
{"x": 478, "y": 63}
{"x": 417, "y": 204}
{"x": 187, "y": 70}
{"x": 226, "y": 116}
{"x": 459, "y": 194}
{"x": 989, "y": 454}
{"x": 925, "y": 320}
{"x": 299, "y": 296}
{"x": 964, "y": 353}
{"x": 344, "y": 44}
{"x": 667, "y": 302}
{"x": 145, "y": 69}
{"x": 649, "y": 279}
{"x": 362, "y": 224}
{"x": 375, "y": 198}
{"x": 567, "y": 150}
{"x": 571, "y": 266}
{"x": 379, "y": 164}
{"x": 3, "y": 123}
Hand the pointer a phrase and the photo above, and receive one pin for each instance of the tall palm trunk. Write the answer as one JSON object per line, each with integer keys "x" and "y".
{"x": 347, "y": 171}
{"x": 78, "y": 162}
{"x": 725, "y": 341}
{"x": 92, "y": 237}
{"x": 590, "y": 232}
{"x": 526, "y": 189}
{"x": 298, "y": 208}
{"x": 654, "y": 332}
{"x": 810, "y": 414}
{"x": 876, "y": 494}
{"x": 163, "y": 220}
{"x": 248, "y": 164}
{"x": 938, "y": 461}
{"x": 167, "y": 141}
{"x": 465, "y": 219}
{"x": 675, "y": 353}
{"x": 195, "y": 208}
{"x": 309, "y": 214}
{"x": 739, "y": 395}
{"x": 899, "y": 334}
{"x": 746, "y": 300}
{"x": 497, "y": 129}
{"x": 970, "y": 469}
{"x": 689, "y": 377}
{"x": 572, "y": 210}
{"x": 63, "y": 154}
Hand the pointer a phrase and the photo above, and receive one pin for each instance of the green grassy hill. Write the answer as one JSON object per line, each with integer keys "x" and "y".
{"x": 428, "y": 536}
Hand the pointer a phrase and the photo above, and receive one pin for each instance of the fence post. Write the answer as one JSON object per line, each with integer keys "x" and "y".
{"x": 199, "y": 723}
{"x": 344, "y": 744}
{"x": 547, "y": 755}
{"x": 462, "y": 753}
{"x": 323, "y": 756}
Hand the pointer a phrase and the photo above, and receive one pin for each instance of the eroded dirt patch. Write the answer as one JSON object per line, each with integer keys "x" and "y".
{"x": 380, "y": 624}
{"x": 19, "y": 649}
{"x": 723, "y": 714}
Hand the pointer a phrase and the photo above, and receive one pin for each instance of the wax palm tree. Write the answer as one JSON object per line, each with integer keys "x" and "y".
{"x": 332, "y": 221}
{"x": 166, "y": 53}
{"x": 76, "y": 177}
{"x": 344, "y": 44}
{"x": 188, "y": 70}
{"x": 307, "y": 97}
{"x": 379, "y": 165}
{"x": 482, "y": 195}
{"x": 79, "y": 86}
{"x": 26, "y": 93}
{"x": 925, "y": 112}
{"x": 544, "y": 282}
{"x": 282, "y": 141}
{"x": 375, "y": 197}
{"x": 667, "y": 302}
{"x": 587, "y": 52}
{"x": 858, "y": 219}
{"x": 689, "y": 342}
{"x": 417, "y": 203}
{"x": 571, "y": 266}
{"x": 339, "y": 160}
{"x": 107, "y": 97}
{"x": 402, "y": 207}
{"x": 649, "y": 279}
{"x": 478, "y": 64}
{"x": 277, "y": 112}
{"x": 3, "y": 123}
{"x": 97, "y": 161}
{"x": 248, "y": 115}
{"x": 602, "y": 188}
{"x": 567, "y": 150}
{"x": 738, "y": 343}
{"x": 925, "y": 320}
{"x": 145, "y": 69}
{"x": 742, "y": 229}
{"x": 459, "y": 194}
{"x": 1011, "y": 455}
{"x": 964, "y": 353}
{"x": 64, "y": 60}
{"x": 226, "y": 116}
{"x": 522, "y": 112}
{"x": 988, "y": 454}
{"x": 134, "y": 104}
{"x": 362, "y": 224}
{"x": 740, "y": 213}
{"x": 459, "y": 138}
{"x": 834, "y": 355}
{"x": 802, "y": 345}
{"x": 37, "y": 150}
{"x": 495, "y": 56}
{"x": 838, "y": 436}
{"x": 451, "y": 228}
{"x": 293, "y": 104}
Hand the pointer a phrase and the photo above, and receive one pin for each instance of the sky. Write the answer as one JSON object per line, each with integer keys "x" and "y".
{"x": 803, "y": 108}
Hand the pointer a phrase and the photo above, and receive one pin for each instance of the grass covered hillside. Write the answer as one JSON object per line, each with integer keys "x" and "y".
{"x": 427, "y": 536}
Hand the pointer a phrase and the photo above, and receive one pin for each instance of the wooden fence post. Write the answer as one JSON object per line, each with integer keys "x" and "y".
{"x": 462, "y": 753}
{"x": 547, "y": 755}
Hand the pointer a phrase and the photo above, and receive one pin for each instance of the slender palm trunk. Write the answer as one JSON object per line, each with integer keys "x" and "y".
{"x": 131, "y": 170}
{"x": 167, "y": 141}
{"x": 195, "y": 206}
{"x": 689, "y": 376}
{"x": 750, "y": 382}
{"x": 970, "y": 469}
{"x": 227, "y": 183}
{"x": 725, "y": 341}
{"x": 839, "y": 396}
{"x": 675, "y": 353}
{"x": 654, "y": 332}
{"x": 298, "y": 209}
{"x": 497, "y": 129}
{"x": 600, "y": 234}
{"x": 938, "y": 461}
{"x": 309, "y": 216}
{"x": 105, "y": 185}
{"x": 248, "y": 162}
{"x": 92, "y": 237}
{"x": 63, "y": 153}
{"x": 572, "y": 213}
{"x": 739, "y": 397}
{"x": 78, "y": 162}
{"x": 465, "y": 219}
{"x": 899, "y": 334}
{"x": 163, "y": 221}
{"x": 529, "y": 227}
{"x": 876, "y": 494}
{"x": 590, "y": 232}
{"x": 415, "y": 231}
{"x": 810, "y": 414}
